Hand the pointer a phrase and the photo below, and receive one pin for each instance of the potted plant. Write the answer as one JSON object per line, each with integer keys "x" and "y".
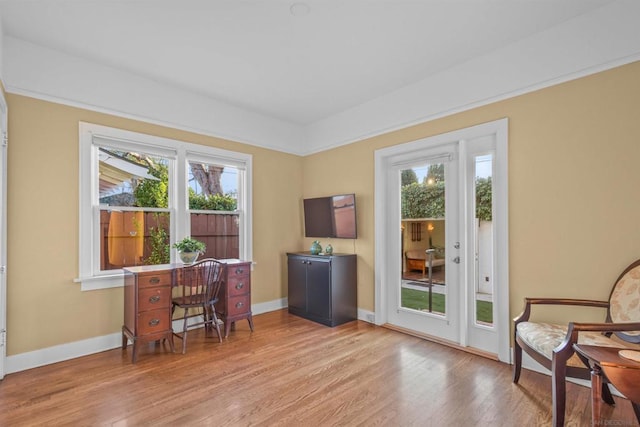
{"x": 189, "y": 249}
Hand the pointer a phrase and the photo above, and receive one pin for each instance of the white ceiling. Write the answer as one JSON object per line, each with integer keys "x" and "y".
{"x": 258, "y": 56}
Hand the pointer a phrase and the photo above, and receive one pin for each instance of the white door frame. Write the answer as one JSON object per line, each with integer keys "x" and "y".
{"x": 383, "y": 229}
{"x": 3, "y": 233}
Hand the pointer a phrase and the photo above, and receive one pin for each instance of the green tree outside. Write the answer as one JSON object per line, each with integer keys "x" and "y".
{"x": 408, "y": 176}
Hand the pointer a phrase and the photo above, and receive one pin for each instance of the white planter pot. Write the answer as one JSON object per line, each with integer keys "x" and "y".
{"x": 188, "y": 257}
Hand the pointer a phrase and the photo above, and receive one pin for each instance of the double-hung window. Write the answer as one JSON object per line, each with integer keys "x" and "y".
{"x": 139, "y": 194}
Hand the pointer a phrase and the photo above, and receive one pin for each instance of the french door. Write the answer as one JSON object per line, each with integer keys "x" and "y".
{"x": 441, "y": 237}
{"x": 427, "y": 300}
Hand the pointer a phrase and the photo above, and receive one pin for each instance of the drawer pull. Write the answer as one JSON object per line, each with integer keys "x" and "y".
{"x": 239, "y": 305}
{"x": 239, "y": 285}
{"x": 239, "y": 270}
{"x": 154, "y": 280}
{"x": 154, "y": 299}
{"x": 154, "y": 322}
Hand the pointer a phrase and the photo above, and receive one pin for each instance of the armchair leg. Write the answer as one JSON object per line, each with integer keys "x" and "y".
{"x": 559, "y": 390}
{"x": 517, "y": 361}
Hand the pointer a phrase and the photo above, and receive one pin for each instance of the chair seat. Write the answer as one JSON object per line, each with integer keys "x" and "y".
{"x": 544, "y": 337}
{"x": 191, "y": 300}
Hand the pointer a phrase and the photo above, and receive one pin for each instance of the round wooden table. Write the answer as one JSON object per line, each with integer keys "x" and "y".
{"x": 623, "y": 373}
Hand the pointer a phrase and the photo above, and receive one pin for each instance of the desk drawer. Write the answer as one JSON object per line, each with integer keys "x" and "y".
{"x": 153, "y": 321}
{"x": 239, "y": 285}
{"x": 239, "y": 270}
{"x": 154, "y": 297}
{"x": 239, "y": 305}
{"x": 157, "y": 279}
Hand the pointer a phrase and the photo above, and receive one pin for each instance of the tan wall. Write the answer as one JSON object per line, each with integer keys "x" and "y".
{"x": 573, "y": 185}
{"x": 573, "y": 179}
{"x": 44, "y": 306}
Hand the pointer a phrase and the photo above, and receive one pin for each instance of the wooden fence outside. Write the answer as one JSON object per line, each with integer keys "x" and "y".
{"x": 126, "y": 238}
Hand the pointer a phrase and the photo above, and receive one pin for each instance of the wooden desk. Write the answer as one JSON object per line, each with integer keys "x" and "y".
{"x": 147, "y": 301}
{"x": 623, "y": 373}
{"x": 235, "y": 296}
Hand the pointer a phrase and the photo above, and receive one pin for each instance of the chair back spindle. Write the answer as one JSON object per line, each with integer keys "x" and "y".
{"x": 199, "y": 285}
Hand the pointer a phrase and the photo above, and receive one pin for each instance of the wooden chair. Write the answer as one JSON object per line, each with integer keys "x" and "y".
{"x": 551, "y": 345}
{"x": 198, "y": 288}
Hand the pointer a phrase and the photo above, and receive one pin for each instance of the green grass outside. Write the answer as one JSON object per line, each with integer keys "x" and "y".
{"x": 419, "y": 300}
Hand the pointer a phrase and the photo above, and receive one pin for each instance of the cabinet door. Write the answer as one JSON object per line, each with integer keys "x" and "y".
{"x": 297, "y": 282}
{"x": 319, "y": 288}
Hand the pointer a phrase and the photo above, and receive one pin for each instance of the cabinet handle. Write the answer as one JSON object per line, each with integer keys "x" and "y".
{"x": 154, "y": 280}
{"x": 154, "y": 299}
{"x": 154, "y": 322}
{"x": 239, "y": 271}
{"x": 239, "y": 305}
{"x": 239, "y": 286}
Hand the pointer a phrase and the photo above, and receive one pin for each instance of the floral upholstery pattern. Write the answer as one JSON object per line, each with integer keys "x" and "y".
{"x": 544, "y": 337}
{"x": 625, "y": 299}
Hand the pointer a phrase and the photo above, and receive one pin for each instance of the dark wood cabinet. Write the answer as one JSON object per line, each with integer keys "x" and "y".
{"x": 323, "y": 288}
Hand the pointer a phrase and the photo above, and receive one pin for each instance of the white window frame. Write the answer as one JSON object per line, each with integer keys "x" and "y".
{"x": 91, "y": 136}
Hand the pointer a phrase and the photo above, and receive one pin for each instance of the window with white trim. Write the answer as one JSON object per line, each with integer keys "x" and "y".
{"x": 140, "y": 193}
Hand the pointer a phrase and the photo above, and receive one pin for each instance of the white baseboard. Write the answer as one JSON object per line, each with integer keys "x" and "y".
{"x": 265, "y": 307}
{"x": 366, "y": 316}
{"x": 59, "y": 353}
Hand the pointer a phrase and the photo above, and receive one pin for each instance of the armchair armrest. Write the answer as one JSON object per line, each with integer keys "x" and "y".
{"x": 524, "y": 316}
{"x": 574, "y": 328}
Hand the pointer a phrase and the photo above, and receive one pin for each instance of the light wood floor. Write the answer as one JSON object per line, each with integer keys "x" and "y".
{"x": 290, "y": 371}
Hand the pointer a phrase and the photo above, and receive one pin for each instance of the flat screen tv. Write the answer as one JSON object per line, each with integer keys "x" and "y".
{"x": 333, "y": 216}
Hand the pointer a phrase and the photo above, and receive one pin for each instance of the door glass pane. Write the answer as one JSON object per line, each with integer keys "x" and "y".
{"x": 423, "y": 283}
{"x": 213, "y": 202}
{"x": 484, "y": 249}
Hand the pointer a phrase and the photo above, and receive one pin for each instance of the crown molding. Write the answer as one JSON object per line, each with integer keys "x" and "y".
{"x": 51, "y": 75}
{"x": 605, "y": 38}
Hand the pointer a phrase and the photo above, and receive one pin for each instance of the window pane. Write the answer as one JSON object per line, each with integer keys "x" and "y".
{"x": 215, "y": 188}
{"x": 483, "y": 189}
{"x": 219, "y": 232}
{"x": 133, "y": 238}
{"x": 212, "y": 187}
{"x": 132, "y": 179}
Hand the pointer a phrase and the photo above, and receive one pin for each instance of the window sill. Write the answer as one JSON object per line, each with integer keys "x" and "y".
{"x": 94, "y": 283}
